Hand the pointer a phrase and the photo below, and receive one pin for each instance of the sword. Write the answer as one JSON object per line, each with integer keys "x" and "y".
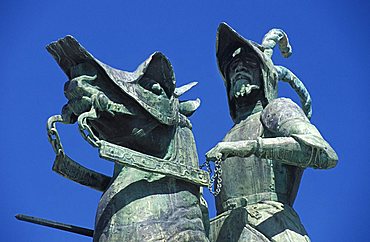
{"x": 56, "y": 225}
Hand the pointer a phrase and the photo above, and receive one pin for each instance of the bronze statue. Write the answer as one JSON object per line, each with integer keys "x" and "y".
{"x": 272, "y": 141}
{"x": 136, "y": 120}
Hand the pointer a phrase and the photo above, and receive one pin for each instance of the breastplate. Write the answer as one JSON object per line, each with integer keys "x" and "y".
{"x": 252, "y": 179}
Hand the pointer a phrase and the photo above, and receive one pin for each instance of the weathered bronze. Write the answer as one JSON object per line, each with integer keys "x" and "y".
{"x": 55, "y": 225}
{"x": 136, "y": 120}
{"x": 272, "y": 142}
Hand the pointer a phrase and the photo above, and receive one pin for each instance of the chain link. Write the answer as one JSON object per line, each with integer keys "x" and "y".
{"x": 85, "y": 129}
{"x": 53, "y": 135}
{"x": 217, "y": 176}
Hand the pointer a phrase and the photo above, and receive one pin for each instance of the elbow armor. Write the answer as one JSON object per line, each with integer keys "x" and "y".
{"x": 303, "y": 144}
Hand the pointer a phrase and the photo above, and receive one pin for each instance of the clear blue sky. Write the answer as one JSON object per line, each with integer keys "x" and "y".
{"x": 330, "y": 42}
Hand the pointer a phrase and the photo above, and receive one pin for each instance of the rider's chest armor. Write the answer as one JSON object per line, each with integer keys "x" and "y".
{"x": 252, "y": 179}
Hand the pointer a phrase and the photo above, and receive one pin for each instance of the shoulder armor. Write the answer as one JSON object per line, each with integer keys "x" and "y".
{"x": 280, "y": 111}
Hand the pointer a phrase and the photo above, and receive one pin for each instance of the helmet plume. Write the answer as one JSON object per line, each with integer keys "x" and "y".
{"x": 270, "y": 40}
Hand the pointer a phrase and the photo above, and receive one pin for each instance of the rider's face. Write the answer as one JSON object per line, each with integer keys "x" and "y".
{"x": 244, "y": 74}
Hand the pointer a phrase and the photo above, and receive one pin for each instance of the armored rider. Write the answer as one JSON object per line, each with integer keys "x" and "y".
{"x": 272, "y": 141}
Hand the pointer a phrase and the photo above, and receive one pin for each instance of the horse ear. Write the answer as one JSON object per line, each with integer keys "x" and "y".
{"x": 187, "y": 108}
{"x": 181, "y": 90}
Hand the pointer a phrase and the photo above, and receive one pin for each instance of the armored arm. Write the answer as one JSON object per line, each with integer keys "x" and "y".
{"x": 294, "y": 140}
{"x": 298, "y": 142}
{"x": 302, "y": 150}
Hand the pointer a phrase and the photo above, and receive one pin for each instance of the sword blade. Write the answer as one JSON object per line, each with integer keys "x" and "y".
{"x": 56, "y": 225}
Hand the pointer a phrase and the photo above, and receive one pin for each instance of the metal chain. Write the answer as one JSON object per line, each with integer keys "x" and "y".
{"x": 86, "y": 132}
{"x": 53, "y": 135}
{"x": 217, "y": 175}
{"x": 85, "y": 129}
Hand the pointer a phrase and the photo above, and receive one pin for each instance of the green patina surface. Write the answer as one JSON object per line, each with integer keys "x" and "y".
{"x": 272, "y": 142}
{"x": 137, "y": 121}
